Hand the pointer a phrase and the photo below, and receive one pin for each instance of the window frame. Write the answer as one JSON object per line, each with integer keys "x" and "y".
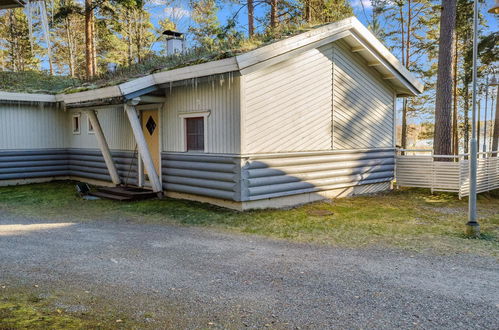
{"x": 76, "y": 116}
{"x": 89, "y": 124}
{"x": 186, "y": 115}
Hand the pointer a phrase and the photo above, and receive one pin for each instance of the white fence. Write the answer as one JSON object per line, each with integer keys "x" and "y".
{"x": 421, "y": 168}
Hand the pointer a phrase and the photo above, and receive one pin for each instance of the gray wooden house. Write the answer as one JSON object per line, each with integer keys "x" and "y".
{"x": 302, "y": 119}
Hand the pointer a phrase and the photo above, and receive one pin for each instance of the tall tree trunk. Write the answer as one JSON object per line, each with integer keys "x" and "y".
{"x": 495, "y": 135}
{"x": 251, "y": 18}
{"x": 71, "y": 56}
{"x": 455, "y": 136}
{"x": 273, "y": 14}
{"x": 89, "y": 39}
{"x": 442, "y": 144}
{"x": 129, "y": 39}
{"x": 308, "y": 11}
{"x": 94, "y": 46}
{"x": 403, "y": 140}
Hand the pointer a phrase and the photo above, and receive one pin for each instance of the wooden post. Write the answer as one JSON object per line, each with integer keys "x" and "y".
{"x": 106, "y": 153}
{"x": 144, "y": 152}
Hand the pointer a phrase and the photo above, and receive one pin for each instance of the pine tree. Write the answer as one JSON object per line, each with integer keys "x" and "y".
{"x": 442, "y": 144}
{"x": 207, "y": 26}
{"x": 17, "y": 52}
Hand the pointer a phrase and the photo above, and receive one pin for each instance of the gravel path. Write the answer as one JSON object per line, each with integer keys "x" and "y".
{"x": 197, "y": 277}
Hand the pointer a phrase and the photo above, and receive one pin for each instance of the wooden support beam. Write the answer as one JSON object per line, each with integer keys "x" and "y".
{"x": 358, "y": 49}
{"x": 104, "y": 147}
{"x": 144, "y": 152}
{"x": 374, "y": 63}
{"x": 389, "y": 77}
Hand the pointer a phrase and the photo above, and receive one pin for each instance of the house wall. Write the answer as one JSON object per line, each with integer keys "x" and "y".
{"x": 286, "y": 102}
{"x": 277, "y": 175}
{"x": 115, "y": 126}
{"x": 329, "y": 91}
{"x": 219, "y": 96}
{"x": 31, "y": 126}
{"x": 364, "y": 104}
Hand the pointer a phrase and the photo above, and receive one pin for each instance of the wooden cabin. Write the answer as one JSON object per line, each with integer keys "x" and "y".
{"x": 299, "y": 120}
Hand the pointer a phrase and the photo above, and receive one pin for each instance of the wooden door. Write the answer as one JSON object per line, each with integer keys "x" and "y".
{"x": 150, "y": 127}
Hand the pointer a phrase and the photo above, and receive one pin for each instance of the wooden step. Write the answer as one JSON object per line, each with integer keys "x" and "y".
{"x": 110, "y": 196}
{"x": 130, "y": 192}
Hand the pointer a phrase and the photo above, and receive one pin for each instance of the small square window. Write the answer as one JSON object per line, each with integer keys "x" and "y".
{"x": 76, "y": 123}
{"x": 90, "y": 126}
{"x": 194, "y": 128}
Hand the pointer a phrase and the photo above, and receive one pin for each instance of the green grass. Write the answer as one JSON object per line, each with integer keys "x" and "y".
{"x": 409, "y": 219}
{"x": 28, "y": 307}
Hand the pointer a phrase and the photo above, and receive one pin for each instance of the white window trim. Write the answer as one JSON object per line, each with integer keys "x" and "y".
{"x": 185, "y": 115}
{"x": 76, "y": 132}
{"x": 88, "y": 126}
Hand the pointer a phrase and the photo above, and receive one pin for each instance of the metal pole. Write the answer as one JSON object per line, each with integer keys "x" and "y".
{"x": 486, "y": 112}
{"x": 472, "y": 226}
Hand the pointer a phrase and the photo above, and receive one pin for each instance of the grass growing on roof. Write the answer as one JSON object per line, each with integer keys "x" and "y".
{"x": 410, "y": 219}
{"x": 225, "y": 47}
{"x": 35, "y": 82}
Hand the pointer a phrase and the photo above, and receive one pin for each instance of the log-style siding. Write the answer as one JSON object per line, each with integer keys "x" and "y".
{"x": 281, "y": 175}
{"x": 83, "y": 163}
{"x": 206, "y": 175}
{"x": 363, "y": 109}
{"x": 219, "y": 97}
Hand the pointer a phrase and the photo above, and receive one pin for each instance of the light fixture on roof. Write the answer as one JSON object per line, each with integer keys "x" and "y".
{"x": 495, "y": 8}
{"x": 174, "y": 42}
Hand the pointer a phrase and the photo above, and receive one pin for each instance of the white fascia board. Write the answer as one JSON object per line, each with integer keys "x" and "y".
{"x": 196, "y": 71}
{"x": 92, "y": 95}
{"x": 365, "y": 34}
{"x": 275, "y": 52}
{"x": 137, "y": 84}
{"x": 27, "y": 97}
{"x": 292, "y": 43}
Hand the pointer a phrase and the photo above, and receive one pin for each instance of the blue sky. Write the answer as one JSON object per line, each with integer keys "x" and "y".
{"x": 159, "y": 10}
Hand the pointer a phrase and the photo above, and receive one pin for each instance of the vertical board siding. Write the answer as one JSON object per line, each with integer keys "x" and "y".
{"x": 220, "y": 97}
{"x": 363, "y": 103}
{"x": 28, "y": 126}
{"x": 276, "y": 176}
{"x": 115, "y": 126}
{"x": 288, "y": 105}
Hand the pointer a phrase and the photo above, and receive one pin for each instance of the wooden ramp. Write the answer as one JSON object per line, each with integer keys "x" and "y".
{"x": 124, "y": 193}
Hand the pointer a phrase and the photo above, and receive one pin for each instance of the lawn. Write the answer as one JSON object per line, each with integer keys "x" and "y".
{"x": 408, "y": 219}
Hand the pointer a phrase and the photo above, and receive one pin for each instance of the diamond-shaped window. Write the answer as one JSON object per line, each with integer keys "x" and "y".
{"x": 150, "y": 125}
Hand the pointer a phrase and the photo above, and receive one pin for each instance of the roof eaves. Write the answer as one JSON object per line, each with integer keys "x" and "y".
{"x": 27, "y": 97}
{"x": 292, "y": 43}
{"x": 368, "y": 37}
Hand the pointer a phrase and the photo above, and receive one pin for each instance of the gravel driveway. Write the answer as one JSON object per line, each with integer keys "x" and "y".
{"x": 198, "y": 277}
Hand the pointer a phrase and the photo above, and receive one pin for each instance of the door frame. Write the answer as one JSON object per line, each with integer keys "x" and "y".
{"x": 140, "y": 167}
